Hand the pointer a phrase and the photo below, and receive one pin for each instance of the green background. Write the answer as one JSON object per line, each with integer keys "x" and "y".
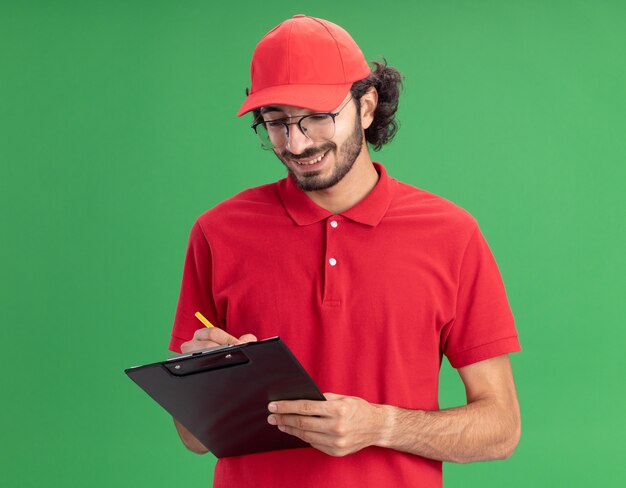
{"x": 118, "y": 129}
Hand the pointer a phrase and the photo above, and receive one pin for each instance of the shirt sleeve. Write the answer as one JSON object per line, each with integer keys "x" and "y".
{"x": 196, "y": 291}
{"x": 483, "y": 325}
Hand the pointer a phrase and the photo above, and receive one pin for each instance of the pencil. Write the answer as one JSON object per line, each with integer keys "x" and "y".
{"x": 203, "y": 319}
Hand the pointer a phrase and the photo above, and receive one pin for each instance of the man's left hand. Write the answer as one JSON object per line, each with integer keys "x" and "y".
{"x": 339, "y": 426}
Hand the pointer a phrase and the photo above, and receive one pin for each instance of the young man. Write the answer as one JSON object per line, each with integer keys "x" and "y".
{"x": 368, "y": 280}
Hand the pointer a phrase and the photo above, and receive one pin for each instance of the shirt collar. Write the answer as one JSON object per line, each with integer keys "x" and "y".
{"x": 368, "y": 211}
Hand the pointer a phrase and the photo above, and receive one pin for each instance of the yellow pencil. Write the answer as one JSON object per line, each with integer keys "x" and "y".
{"x": 203, "y": 319}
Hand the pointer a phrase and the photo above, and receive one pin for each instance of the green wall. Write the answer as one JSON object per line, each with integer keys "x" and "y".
{"x": 118, "y": 128}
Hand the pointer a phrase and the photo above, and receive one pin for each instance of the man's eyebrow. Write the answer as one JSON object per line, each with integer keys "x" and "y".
{"x": 270, "y": 108}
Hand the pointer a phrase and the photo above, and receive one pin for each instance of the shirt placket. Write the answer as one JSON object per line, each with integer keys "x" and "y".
{"x": 332, "y": 262}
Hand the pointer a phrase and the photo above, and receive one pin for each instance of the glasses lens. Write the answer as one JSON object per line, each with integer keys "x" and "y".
{"x": 318, "y": 127}
{"x": 276, "y": 133}
{"x": 264, "y": 137}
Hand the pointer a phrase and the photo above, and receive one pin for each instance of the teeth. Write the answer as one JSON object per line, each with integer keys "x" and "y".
{"x": 312, "y": 161}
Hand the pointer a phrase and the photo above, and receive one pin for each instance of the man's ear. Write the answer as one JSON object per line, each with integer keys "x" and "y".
{"x": 369, "y": 101}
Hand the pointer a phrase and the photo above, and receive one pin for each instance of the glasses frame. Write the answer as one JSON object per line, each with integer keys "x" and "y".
{"x": 298, "y": 122}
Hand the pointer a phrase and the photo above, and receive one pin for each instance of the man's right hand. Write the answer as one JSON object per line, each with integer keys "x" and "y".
{"x": 203, "y": 338}
{"x": 211, "y": 337}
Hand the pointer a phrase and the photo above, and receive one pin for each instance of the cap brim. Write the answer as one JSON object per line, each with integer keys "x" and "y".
{"x": 321, "y": 98}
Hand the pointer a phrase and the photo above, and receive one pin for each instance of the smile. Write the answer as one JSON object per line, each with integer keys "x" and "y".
{"x": 308, "y": 162}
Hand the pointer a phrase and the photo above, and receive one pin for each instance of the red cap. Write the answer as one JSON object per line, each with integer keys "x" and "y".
{"x": 304, "y": 62}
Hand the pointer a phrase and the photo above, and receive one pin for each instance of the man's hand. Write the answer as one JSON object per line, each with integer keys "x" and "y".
{"x": 339, "y": 426}
{"x": 211, "y": 337}
{"x": 203, "y": 338}
{"x": 487, "y": 428}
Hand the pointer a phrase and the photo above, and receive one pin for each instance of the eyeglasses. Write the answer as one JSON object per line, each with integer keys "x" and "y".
{"x": 317, "y": 127}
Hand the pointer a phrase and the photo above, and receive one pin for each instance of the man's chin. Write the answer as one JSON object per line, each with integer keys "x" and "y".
{"x": 312, "y": 181}
{"x": 309, "y": 181}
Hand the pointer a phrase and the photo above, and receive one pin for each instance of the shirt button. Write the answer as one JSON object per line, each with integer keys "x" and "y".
{"x": 333, "y": 224}
{"x": 332, "y": 261}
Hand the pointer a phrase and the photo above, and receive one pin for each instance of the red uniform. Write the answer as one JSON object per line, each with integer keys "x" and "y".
{"x": 368, "y": 300}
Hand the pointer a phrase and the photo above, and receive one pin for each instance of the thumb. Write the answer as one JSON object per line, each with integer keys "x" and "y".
{"x": 332, "y": 396}
{"x": 248, "y": 338}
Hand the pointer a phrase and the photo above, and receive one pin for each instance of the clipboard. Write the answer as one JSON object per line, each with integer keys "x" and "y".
{"x": 221, "y": 394}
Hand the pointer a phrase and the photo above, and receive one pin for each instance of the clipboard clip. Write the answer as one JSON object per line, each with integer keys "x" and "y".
{"x": 197, "y": 363}
{"x": 200, "y": 351}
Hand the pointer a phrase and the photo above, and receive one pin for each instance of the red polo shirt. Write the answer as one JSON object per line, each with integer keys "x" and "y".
{"x": 368, "y": 300}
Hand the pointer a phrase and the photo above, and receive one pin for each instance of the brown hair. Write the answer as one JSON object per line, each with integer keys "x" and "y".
{"x": 388, "y": 83}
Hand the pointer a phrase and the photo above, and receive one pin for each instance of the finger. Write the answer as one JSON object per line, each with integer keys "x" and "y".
{"x": 219, "y": 336}
{"x": 194, "y": 345}
{"x": 309, "y": 437}
{"x": 299, "y": 407}
{"x": 248, "y": 338}
{"x": 300, "y": 422}
{"x": 333, "y": 396}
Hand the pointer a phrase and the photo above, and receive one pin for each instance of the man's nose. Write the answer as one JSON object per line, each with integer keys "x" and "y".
{"x": 297, "y": 142}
